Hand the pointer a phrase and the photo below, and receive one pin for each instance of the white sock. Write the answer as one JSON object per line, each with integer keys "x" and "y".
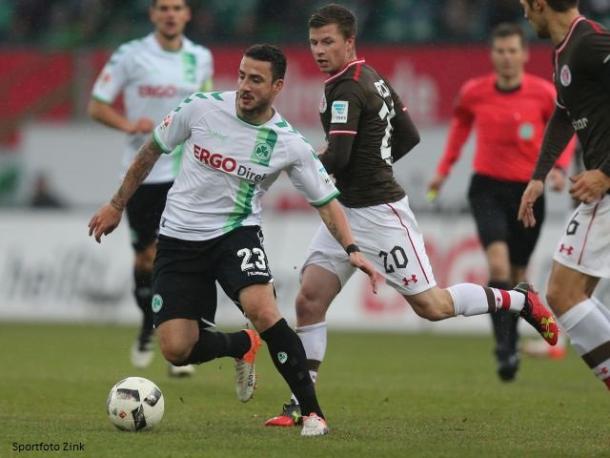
{"x": 314, "y": 338}
{"x": 470, "y": 299}
{"x": 589, "y": 331}
{"x": 601, "y": 307}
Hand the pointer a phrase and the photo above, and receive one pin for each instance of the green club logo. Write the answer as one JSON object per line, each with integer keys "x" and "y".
{"x": 156, "y": 303}
{"x": 282, "y": 357}
{"x": 262, "y": 152}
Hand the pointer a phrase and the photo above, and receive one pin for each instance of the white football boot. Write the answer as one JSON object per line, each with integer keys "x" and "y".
{"x": 313, "y": 425}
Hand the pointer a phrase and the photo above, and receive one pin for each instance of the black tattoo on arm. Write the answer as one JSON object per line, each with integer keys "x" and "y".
{"x": 138, "y": 170}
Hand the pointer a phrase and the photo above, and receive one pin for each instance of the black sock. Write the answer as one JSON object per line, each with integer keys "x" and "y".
{"x": 143, "y": 295}
{"x": 288, "y": 355}
{"x": 505, "y": 326}
{"x": 212, "y": 345}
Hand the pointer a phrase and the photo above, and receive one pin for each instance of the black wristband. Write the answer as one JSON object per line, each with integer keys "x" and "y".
{"x": 352, "y": 248}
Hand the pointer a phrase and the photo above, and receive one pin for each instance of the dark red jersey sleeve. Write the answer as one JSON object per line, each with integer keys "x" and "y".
{"x": 565, "y": 158}
{"x": 346, "y": 106}
{"x": 404, "y": 133}
{"x": 557, "y": 135}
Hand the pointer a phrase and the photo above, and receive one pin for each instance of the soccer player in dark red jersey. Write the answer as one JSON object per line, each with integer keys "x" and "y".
{"x": 509, "y": 110}
{"x": 582, "y": 79}
{"x": 368, "y": 128}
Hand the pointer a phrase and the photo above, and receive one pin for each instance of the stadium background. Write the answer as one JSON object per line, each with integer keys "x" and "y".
{"x": 53, "y": 49}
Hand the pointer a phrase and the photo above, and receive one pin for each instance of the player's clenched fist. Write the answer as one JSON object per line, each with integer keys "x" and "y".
{"x": 105, "y": 220}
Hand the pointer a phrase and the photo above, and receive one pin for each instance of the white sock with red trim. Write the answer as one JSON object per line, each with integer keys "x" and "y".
{"x": 470, "y": 299}
{"x": 508, "y": 299}
{"x": 589, "y": 331}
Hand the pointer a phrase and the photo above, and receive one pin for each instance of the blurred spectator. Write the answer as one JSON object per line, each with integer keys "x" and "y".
{"x": 66, "y": 24}
{"x": 500, "y": 11}
{"x": 43, "y": 196}
{"x": 404, "y": 20}
{"x": 461, "y": 20}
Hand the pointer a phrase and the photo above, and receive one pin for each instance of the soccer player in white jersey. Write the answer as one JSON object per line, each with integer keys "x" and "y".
{"x": 154, "y": 74}
{"x": 235, "y": 146}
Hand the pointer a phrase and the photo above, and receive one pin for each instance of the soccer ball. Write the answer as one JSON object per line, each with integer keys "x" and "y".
{"x": 135, "y": 404}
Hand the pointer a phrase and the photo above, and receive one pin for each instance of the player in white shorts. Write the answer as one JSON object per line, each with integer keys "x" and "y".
{"x": 582, "y": 257}
{"x": 154, "y": 74}
{"x": 367, "y": 129}
{"x": 388, "y": 234}
{"x": 584, "y": 245}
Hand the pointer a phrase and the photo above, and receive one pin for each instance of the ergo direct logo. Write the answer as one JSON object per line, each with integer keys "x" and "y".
{"x": 215, "y": 160}
{"x": 227, "y": 164}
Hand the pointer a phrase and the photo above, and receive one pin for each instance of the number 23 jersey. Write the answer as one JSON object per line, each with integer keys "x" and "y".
{"x": 228, "y": 164}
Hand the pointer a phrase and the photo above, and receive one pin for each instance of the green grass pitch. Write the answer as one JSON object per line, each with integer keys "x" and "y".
{"x": 384, "y": 395}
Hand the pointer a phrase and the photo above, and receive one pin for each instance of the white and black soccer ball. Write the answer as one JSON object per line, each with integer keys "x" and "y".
{"x": 135, "y": 404}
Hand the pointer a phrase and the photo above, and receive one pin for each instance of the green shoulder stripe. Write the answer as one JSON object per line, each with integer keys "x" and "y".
{"x": 162, "y": 146}
{"x": 322, "y": 202}
{"x": 101, "y": 99}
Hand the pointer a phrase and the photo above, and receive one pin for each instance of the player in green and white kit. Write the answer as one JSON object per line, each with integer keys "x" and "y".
{"x": 235, "y": 146}
{"x": 154, "y": 74}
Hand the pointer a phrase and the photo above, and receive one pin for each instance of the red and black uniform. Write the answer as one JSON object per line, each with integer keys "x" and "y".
{"x": 509, "y": 126}
{"x": 582, "y": 79}
{"x": 367, "y": 129}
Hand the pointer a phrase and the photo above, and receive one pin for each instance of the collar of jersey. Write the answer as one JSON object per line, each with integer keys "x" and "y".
{"x": 162, "y": 49}
{"x": 565, "y": 40}
{"x": 344, "y": 69}
{"x": 271, "y": 120}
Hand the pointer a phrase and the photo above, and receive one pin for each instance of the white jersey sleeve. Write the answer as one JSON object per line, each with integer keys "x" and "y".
{"x": 113, "y": 77}
{"x": 309, "y": 176}
{"x": 175, "y": 128}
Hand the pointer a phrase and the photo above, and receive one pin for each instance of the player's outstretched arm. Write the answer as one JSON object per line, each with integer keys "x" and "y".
{"x": 107, "y": 115}
{"x": 108, "y": 217}
{"x": 335, "y": 220}
{"x": 558, "y": 133}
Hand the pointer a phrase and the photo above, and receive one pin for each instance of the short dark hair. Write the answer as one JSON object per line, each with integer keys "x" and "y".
{"x": 335, "y": 14}
{"x": 560, "y": 6}
{"x": 508, "y": 29}
{"x": 271, "y": 54}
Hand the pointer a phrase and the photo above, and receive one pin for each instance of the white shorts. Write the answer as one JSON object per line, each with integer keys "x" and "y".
{"x": 585, "y": 245}
{"x": 389, "y": 237}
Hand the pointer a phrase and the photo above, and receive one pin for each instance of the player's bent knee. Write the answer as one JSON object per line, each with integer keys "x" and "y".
{"x": 175, "y": 352}
{"x": 557, "y": 298}
{"x": 308, "y": 308}
{"x": 174, "y": 343}
{"x": 264, "y": 317}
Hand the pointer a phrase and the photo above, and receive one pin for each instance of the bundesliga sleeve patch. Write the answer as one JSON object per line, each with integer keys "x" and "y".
{"x": 339, "y": 110}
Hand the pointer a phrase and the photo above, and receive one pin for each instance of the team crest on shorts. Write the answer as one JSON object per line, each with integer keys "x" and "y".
{"x": 323, "y": 105}
{"x": 156, "y": 303}
{"x": 565, "y": 76}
